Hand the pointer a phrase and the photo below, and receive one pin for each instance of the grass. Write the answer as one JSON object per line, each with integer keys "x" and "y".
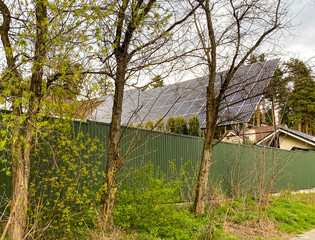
{"x": 152, "y": 211}
{"x": 294, "y": 212}
{"x": 290, "y": 213}
{"x": 153, "y": 208}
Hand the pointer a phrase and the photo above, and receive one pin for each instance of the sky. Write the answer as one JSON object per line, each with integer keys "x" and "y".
{"x": 301, "y": 42}
{"x": 298, "y": 41}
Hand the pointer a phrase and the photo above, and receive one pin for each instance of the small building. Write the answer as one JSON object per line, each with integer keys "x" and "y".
{"x": 251, "y": 134}
{"x": 289, "y": 139}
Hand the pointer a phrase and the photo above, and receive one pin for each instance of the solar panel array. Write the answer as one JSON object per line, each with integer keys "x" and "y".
{"x": 189, "y": 97}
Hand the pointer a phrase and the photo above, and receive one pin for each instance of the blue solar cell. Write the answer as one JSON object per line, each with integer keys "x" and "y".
{"x": 189, "y": 97}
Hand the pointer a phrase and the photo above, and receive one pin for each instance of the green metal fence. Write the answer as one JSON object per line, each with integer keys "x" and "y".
{"x": 236, "y": 167}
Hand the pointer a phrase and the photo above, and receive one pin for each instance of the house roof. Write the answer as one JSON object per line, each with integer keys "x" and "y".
{"x": 293, "y": 133}
{"x": 78, "y": 109}
{"x": 230, "y": 134}
{"x": 306, "y": 137}
{"x": 189, "y": 97}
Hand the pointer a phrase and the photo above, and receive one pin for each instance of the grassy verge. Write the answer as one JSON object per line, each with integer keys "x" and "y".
{"x": 150, "y": 207}
{"x": 227, "y": 219}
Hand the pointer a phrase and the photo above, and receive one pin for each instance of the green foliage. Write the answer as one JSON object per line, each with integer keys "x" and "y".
{"x": 302, "y": 98}
{"x": 193, "y": 126}
{"x": 294, "y": 215}
{"x": 159, "y": 124}
{"x": 148, "y": 204}
{"x": 149, "y": 125}
{"x": 64, "y": 180}
{"x": 180, "y": 125}
{"x": 254, "y": 58}
{"x": 157, "y": 82}
{"x": 139, "y": 125}
{"x": 294, "y": 90}
{"x": 170, "y": 124}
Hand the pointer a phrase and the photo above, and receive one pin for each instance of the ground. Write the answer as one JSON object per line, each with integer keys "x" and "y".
{"x": 253, "y": 230}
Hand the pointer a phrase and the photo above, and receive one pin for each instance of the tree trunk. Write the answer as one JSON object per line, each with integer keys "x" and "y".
{"x": 258, "y": 115}
{"x": 299, "y": 127}
{"x": 203, "y": 178}
{"x": 273, "y": 110}
{"x": 23, "y": 134}
{"x": 21, "y": 152}
{"x": 306, "y": 127}
{"x": 113, "y": 161}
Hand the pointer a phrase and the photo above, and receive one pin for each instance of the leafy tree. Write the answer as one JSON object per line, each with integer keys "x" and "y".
{"x": 130, "y": 39}
{"x": 40, "y": 31}
{"x": 139, "y": 125}
{"x": 253, "y": 58}
{"x": 193, "y": 126}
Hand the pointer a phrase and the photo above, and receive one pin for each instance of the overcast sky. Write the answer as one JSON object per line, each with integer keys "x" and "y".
{"x": 301, "y": 44}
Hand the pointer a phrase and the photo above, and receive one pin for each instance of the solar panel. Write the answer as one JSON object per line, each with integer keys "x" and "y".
{"x": 189, "y": 97}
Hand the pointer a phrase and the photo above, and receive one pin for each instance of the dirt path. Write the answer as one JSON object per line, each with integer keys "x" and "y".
{"x": 307, "y": 236}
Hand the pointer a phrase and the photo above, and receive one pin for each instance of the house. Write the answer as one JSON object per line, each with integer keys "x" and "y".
{"x": 252, "y": 134}
{"x": 289, "y": 139}
{"x": 232, "y": 137}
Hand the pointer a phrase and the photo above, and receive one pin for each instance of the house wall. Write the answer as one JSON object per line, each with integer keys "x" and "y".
{"x": 287, "y": 142}
{"x": 232, "y": 139}
{"x": 251, "y": 135}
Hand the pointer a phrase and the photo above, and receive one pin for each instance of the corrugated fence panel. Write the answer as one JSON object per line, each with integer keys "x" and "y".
{"x": 233, "y": 165}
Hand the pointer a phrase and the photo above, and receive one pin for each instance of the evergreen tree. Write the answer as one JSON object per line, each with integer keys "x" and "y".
{"x": 302, "y": 99}
{"x": 139, "y": 125}
{"x": 194, "y": 128}
{"x": 159, "y": 124}
{"x": 180, "y": 126}
{"x": 170, "y": 124}
{"x": 149, "y": 125}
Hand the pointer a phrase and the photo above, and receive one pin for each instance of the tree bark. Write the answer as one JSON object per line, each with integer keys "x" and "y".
{"x": 203, "y": 176}
{"x": 21, "y": 152}
{"x": 299, "y": 127}
{"x": 306, "y": 127}
{"x": 258, "y": 115}
{"x": 113, "y": 161}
